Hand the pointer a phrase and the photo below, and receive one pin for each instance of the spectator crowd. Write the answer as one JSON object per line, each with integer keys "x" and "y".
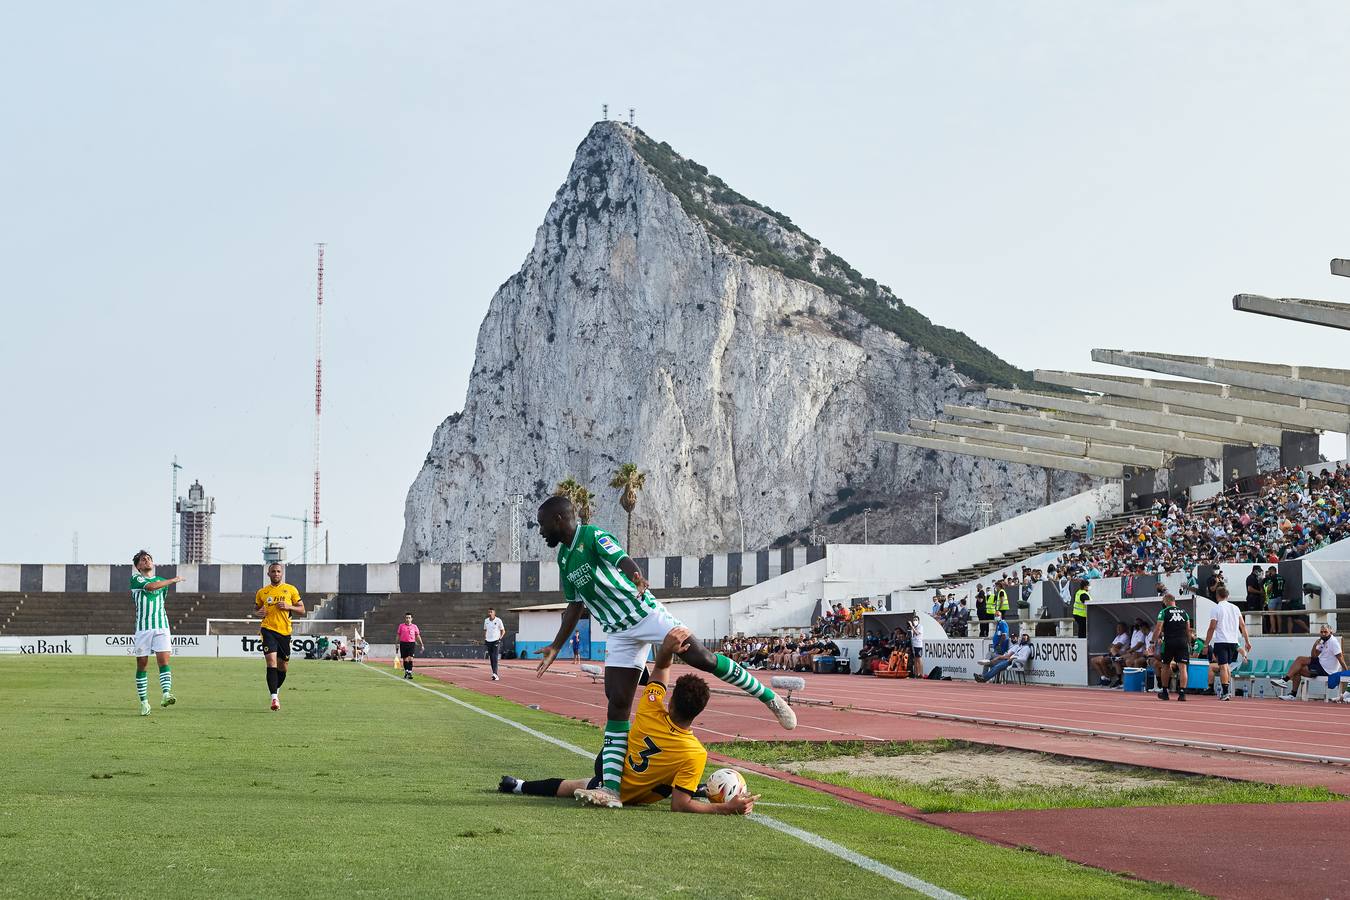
{"x": 1294, "y": 512}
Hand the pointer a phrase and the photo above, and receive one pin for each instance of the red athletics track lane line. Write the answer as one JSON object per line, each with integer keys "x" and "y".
{"x": 1323, "y": 722}
{"x": 1328, "y": 725}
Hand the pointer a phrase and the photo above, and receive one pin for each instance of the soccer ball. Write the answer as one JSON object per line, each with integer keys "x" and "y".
{"x": 725, "y": 784}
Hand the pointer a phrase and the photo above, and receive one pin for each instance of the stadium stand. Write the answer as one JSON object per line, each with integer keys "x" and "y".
{"x": 996, "y": 564}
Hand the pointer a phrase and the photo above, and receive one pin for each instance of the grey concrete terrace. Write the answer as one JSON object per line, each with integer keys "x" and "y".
{"x": 1013, "y": 437}
{"x": 1209, "y": 402}
{"x": 1312, "y": 382}
{"x": 1062, "y": 424}
{"x": 1212, "y": 429}
{"x": 1313, "y": 312}
{"x": 969, "y": 447}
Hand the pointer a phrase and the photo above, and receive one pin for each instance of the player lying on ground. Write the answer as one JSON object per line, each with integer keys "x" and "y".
{"x": 598, "y": 575}
{"x": 663, "y": 758}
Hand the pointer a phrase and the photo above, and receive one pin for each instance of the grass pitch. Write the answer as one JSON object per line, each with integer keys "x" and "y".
{"x": 364, "y": 786}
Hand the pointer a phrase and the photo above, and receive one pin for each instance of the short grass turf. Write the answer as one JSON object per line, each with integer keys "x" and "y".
{"x": 982, "y": 795}
{"x": 365, "y": 786}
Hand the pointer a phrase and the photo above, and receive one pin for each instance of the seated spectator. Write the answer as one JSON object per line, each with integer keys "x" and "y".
{"x": 872, "y": 649}
{"x": 1110, "y": 666}
{"x": 1326, "y": 659}
{"x": 1137, "y": 653}
{"x": 1019, "y": 653}
{"x": 360, "y": 649}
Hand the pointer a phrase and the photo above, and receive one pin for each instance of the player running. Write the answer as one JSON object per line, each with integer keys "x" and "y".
{"x": 409, "y": 639}
{"x": 277, "y": 601}
{"x": 599, "y": 576}
{"x": 663, "y": 758}
{"x": 1174, "y": 626}
{"x": 152, "y": 628}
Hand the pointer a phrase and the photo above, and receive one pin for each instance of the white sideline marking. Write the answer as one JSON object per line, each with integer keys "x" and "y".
{"x": 862, "y": 862}
{"x": 815, "y": 840}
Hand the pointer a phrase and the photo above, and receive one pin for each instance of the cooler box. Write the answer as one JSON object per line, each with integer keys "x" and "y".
{"x": 823, "y": 665}
{"x": 1197, "y": 675}
{"x": 1134, "y": 679}
{"x": 842, "y": 665}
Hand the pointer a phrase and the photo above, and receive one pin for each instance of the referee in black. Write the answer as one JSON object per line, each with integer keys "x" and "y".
{"x": 494, "y": 629}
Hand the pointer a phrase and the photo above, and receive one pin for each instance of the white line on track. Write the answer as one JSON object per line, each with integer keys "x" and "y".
{"x": 863, "y": 862}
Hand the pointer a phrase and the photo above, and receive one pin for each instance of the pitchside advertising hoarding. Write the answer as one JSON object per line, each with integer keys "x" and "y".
{"x": 209, "y": 645}
{"x": 1053, "y": 660}
{"x": 122, "y": 645}
{"x": 44, "y": 645}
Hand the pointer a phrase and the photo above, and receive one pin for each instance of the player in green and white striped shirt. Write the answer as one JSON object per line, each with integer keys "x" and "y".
{"x": 598, "y": 575}
{"x": 152, "y": 628}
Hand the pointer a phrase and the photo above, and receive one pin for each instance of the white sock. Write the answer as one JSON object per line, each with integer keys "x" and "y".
{"x": 274, "y": 695}
{"x": 519, "y": 784}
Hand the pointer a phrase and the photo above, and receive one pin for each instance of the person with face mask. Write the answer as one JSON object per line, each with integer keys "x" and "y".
{"x": 1019, "y": 653}
{"x": 1326, "y": 659}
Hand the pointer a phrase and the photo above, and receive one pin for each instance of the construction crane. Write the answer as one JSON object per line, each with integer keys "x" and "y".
{"x": 304, "y": 525}
{"x": 272, "y": 550}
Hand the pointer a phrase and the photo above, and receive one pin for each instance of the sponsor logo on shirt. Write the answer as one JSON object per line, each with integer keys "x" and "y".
{"x": 607, "y": 544}
{"x": 580, "y": 576}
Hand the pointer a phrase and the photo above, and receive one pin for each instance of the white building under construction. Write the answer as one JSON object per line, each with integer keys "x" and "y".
{"x": 194, "y": 525}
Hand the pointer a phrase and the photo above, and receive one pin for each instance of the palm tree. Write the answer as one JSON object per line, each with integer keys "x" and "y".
{"x": 629, "y": 481}
{"x": 581, "y": 498}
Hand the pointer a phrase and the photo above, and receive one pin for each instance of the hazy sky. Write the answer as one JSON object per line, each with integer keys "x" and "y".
{"x": 1047, "y": 177}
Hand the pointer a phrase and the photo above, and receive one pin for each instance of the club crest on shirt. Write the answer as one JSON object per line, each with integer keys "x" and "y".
{"x": 651, "y": 696}
{"x": 607, "y": 544}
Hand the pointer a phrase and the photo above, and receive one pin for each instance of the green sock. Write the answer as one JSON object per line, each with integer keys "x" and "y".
{"x": 613, "y": 752}
{"x": 731, "y": 672}
{"x": 141, "y": 678}
{"x": 165, "y": 679}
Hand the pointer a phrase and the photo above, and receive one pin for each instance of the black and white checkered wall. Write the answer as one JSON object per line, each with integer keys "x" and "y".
{"x": 716, "y": 570}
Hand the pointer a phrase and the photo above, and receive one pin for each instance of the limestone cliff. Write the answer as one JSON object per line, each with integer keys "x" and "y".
{"x": 663, "y": 319}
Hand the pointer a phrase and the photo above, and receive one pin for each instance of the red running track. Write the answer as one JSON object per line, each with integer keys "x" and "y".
{"x": 1227, "y": 851}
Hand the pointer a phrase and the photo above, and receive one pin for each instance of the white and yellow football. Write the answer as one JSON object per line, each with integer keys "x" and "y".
{"x": 725, "y": 784}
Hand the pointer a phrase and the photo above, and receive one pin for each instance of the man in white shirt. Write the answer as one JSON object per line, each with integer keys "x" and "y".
{"x": 1110, "y": 665}
{"x": 916, "y": 647}
{"x": 1135, "y": 656}
{"x": 1019, "y": 654}
{"x": 493, "y": 632}
{"x": 1326, "y": 659}
{"x": 1226, "y": 628}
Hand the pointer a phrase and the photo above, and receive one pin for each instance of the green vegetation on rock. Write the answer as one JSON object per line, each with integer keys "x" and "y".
{"x": 771, "y": 239}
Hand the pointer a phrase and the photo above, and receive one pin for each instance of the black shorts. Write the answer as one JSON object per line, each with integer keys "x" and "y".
{"x": 406, "y": 648}
{"x": 916, "y": 652}
{"x": 1315, "y": 667}
{"x": 1224, "y": 654}
{"x": 1174, "y": 653}
{"x": 275, "y": 642}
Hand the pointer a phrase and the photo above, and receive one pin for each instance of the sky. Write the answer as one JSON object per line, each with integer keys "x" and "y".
{"x": 1048, "y": 177}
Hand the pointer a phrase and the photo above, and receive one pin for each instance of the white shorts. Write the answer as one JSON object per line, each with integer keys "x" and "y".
{"x": 629, "y": 649}
{"x": 152, "y": 640}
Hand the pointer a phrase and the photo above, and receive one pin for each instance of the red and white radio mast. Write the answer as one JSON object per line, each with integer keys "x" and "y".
{"x": 318, "y": 390}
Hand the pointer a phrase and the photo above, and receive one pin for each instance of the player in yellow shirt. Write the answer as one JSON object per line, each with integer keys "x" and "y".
{"x": 664, "y": 758}
{"x": 277, "y": 601}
